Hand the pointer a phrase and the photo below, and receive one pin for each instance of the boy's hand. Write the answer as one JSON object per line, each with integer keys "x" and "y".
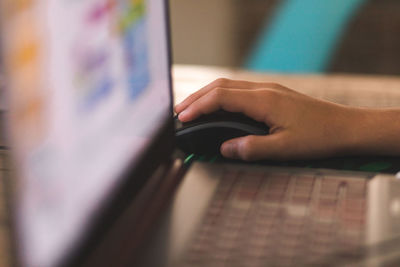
{"x": 300, "y": 126}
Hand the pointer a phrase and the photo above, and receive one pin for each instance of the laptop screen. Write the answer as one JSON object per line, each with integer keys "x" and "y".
{"x": 89, "y": 88}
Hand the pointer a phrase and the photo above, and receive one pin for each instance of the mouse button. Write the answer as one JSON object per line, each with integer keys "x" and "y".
{"x": 223, "y": 115}
{"x": 208, "y": 118}
{"x": 257, "y": 124}
{"x": 240, "y": 118}
{"x": 203, "y": 120}
{"x": 220, "y": 115}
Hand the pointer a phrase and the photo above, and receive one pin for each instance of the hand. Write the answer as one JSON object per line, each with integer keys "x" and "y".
{"x": 300, "y": 126}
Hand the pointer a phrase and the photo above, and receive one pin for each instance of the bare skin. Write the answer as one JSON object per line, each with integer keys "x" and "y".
{"x": 302, "y": 127}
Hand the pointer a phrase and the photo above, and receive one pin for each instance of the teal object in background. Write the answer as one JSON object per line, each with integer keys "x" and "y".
{"x": 302, "y": 36}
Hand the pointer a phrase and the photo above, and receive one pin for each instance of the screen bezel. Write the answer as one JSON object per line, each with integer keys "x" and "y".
{"x": 133, "y": 178}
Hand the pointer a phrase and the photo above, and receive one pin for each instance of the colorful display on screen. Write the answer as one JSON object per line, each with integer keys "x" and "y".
{"x": 89, "y": 88}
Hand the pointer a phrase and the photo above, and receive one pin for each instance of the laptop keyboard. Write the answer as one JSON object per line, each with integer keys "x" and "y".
{"x": 280, "y": 219}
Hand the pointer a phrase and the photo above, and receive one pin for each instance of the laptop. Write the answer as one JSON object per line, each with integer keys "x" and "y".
{"x": 96, "y": 179}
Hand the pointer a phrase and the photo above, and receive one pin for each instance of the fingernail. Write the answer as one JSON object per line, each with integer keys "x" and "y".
{"x": 229, "y": 150}
{"x": 182, "y": 115}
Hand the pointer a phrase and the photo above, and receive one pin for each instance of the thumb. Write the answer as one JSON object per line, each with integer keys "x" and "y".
{"x": 254, "y": 147}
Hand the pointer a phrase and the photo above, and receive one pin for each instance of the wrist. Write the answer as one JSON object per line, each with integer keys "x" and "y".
{"x": 372, "y": 131}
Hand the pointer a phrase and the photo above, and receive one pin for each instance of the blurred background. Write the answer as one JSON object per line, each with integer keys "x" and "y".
{"x": 289, "y": 36}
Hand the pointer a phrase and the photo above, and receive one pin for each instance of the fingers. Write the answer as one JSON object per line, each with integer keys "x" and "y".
{"x": 233, "y": 100}
{"x": 221, "y": 83}
{"x": 252, "y": 147}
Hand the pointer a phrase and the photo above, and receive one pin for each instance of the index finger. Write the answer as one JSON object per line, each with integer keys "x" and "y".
{"x": 232, "y": 100}
{"x": 223, "y": 83}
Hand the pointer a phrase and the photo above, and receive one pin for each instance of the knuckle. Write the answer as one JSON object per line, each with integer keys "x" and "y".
{"x": 191, "y": 96}
{"x": 218, "y": 93}
{"x": 271, "y": 96}
{"x": 221, "y": 81}
{"x": 274, "y": 85}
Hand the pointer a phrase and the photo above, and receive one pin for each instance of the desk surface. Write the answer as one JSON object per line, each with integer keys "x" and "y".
{"x": 357, "y": 90}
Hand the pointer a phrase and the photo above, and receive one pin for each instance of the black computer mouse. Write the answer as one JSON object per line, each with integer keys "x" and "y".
{"x": 204, "y": 135}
